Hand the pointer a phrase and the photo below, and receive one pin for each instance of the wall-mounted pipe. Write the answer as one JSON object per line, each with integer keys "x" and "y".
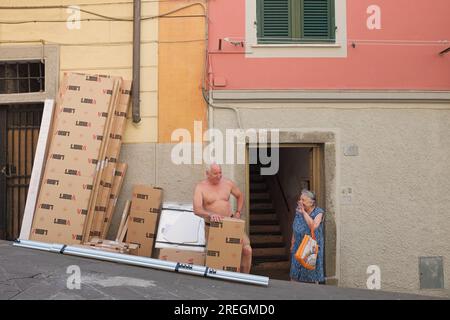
{"x": 135, "y": 91}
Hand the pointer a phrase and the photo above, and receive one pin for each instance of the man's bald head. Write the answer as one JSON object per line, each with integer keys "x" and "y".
{"x": 213, "y": 167}
{"x": 214, "y": 173}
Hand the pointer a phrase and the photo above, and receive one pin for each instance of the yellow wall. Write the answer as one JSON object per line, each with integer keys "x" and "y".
{"x": 181, "y": 64}
{"x": 97, "y": 47}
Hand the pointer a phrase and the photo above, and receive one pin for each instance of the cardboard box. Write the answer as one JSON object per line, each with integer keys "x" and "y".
{"x": 224, "y": 246}
{"x": 182, "y": 256}
{"x": 142, "y": 230}
{"x": 146, "y": 198}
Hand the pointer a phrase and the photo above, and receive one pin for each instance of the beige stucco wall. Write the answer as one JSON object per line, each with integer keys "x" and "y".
{"x": 399, "y": 180}
{"x": 97, "y": 47}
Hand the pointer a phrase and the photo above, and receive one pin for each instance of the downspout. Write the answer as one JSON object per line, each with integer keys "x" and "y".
{"x": 207, "y": 68}
{"x": 136, "y": 61}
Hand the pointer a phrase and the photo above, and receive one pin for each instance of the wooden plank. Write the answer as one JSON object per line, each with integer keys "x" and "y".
{"x": 43, "y": 143}
{"x": 124, "y": 231}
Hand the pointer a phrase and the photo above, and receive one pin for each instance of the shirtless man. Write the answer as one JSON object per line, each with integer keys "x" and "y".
{"x": 211, "y": 202}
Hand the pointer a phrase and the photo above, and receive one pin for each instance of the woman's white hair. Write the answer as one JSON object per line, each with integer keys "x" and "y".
{"x": 309, "y": 194}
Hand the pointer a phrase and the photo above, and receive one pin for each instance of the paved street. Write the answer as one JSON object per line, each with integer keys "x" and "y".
{"x": 33, "y": 274}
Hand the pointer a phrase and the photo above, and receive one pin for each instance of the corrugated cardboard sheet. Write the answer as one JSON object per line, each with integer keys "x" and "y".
{"x": 119, "y": 176}
{"x": 70, "y": 172}
{"x": 82, "y": 159}
{"x": 143, "y": 219}
{"x": 113, "y": 144}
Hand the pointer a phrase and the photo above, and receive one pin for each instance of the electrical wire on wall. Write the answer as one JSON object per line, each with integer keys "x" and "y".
{"x": 101, "y": 17}
{"x": 207, "y": 85}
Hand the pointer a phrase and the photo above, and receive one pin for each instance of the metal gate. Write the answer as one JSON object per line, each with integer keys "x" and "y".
{"x": 19, "y": 133}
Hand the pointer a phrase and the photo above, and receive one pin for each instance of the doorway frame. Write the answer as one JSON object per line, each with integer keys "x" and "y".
{"x": 329, "y": 139}
{"x": 50, "y": 54}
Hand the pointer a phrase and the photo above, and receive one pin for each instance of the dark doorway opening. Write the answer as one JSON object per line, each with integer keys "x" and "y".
{"x": 273, "y": 199}
{"x": 19, "y": 133}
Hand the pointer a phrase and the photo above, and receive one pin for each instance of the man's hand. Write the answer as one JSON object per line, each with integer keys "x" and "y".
{"x": 237, "y": 215}
{"x": 215, "y": 217}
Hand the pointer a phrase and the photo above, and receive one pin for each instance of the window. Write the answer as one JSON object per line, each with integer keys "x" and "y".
{"x": 22, "y": 77}
{"x": 295, "y": 21}
{"x": 28, "y": 74}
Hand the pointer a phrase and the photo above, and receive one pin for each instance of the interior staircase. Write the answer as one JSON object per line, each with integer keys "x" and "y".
{"x": 270, "y": 257}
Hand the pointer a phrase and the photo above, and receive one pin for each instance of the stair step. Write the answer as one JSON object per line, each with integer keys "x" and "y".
{"x": 265, "y": 229}
{"x": 259, "y": 186}
{"x": 268, "y": 245}
{"x": 264, "y": 222}
{"x": 262, "y": 211}
{"x": 273, "y": 258}
{"x": 263, "y": 217}
{"x": 281, "y": 265}
{"x": 268, "y": 252}
{"x": 260, "y": 197}
{"x": 274, "y": 266}
{"x": 262, "y": 239}
{"x": 258, "y": 206}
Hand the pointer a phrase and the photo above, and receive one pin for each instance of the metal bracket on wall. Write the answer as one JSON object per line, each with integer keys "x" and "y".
{"x": 444, "y": 51}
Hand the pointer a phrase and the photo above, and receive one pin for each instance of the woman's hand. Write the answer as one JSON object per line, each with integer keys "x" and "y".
{"x": 300, "y": 206}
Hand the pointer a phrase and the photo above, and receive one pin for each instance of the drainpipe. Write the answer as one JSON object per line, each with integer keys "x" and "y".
{"x": 136, "y": 61}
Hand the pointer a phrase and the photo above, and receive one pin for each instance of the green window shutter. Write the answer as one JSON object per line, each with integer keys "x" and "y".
{"x": 273, "y": 20}
{"x": 318, "y": 19}
{"x": 284, "y": 21}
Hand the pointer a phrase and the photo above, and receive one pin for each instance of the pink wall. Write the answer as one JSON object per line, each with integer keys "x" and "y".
{"x": 368, "y": 66}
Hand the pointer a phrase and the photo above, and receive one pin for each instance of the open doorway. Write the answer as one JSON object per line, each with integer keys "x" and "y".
{"x": 272, "y": 200}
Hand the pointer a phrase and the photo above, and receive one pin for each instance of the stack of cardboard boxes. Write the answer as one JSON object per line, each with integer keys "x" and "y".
{"x": 82, "y": 180}
{"x": 77, "y": 157}
{"x": 176, "y": 233}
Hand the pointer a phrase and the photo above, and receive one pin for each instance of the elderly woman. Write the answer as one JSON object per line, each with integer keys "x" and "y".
{"x": 307, "y": 216}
